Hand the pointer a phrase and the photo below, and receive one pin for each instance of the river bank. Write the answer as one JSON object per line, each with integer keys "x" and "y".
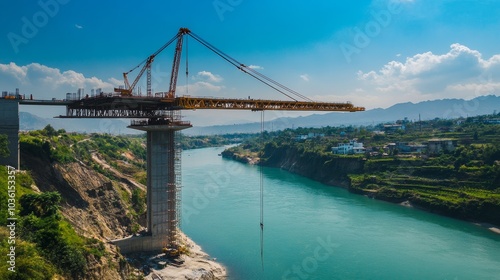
{"x": 195, "y": 265}
{"x": 410, "y": 181}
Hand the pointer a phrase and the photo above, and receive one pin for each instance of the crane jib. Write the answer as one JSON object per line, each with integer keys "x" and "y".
{"x": 300, "y": 101}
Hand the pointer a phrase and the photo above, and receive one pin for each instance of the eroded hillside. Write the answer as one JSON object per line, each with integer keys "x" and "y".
{"x": 100, "y": 196}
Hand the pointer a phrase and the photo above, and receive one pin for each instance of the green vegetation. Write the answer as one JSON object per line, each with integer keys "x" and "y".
{"x": 196, "y": 142}
{"x": 46, "y": 244}
{"x": 4, "y": 148}
{"x": 462, "y": 182}
{"x": 126, "y": 154}
{"x": 138, "y": 200}
{"x": 48, "y": 143}
{"x": 41, "y": 224}
{"x": 30, "y": 263}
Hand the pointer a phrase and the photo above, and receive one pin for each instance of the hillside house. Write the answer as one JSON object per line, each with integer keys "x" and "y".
{"x": 392, "y": 128}
{"x": 310, "y": 135}
{"x": 436, "y": 146}
{"x": 405, "y": 147}
{"x": 353, "y": 147}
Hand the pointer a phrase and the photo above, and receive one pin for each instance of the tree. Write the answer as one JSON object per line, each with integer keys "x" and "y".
{"x": 41, "y": 205}
{"x": 41, "y": 224}
{"x": 4, "y": 146}
{"x": 138, "y": 201}
{"x": 29, "y": 263}
{"x": 50, "y": 131}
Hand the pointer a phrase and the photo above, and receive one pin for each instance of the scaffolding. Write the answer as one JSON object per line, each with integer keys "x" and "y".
{"x": 174, "y": 189}
{"x": 164, "y": 176}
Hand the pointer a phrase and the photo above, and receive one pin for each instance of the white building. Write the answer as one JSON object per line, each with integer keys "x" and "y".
{"x": 311, "y": 135}
{"x": 353, "y": 147}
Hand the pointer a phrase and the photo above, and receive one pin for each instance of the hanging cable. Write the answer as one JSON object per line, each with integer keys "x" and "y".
{"x": 187, "y": 65}
{"x": 261, "y": 190}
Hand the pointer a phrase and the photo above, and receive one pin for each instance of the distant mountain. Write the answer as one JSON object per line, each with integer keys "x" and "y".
{"x": 443, "y": 109}
{"x": 28, "y": 121}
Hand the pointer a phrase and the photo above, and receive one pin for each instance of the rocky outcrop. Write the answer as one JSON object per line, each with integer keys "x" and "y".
{"x": 196, "y": 265}
{"x": 247, "y": 159}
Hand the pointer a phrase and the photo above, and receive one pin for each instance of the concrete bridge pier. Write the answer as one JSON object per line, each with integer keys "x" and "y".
{"x": 163, "y": 187}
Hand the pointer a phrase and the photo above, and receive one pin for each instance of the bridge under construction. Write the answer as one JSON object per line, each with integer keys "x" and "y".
{"x": 159, "y": 116}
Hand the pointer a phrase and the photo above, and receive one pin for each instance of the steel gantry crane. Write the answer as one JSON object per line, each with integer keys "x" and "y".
{"x": 163, "y": 123}
{"x": 298, "y": 101}
{"x": 129, "y": 88}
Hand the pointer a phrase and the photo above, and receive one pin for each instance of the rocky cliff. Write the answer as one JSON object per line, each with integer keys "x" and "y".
{"x": 319, "y": 167}
{"x": 91, "y": 203}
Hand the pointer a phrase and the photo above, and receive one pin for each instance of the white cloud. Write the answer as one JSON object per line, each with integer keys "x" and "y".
{"x": 198, "y": 87}
{"x": 203, "y": 82}
{"x": 115, "y": 82}
{"x": 256, "y": 67}
{"x": 305, "y": 77}
{"x": 461, "y": 73}
{"x": 78, "y": 26}
{"x": 209, "y": 76}
{"x": 14, "y": 71}
{"x": 45, "y": 82}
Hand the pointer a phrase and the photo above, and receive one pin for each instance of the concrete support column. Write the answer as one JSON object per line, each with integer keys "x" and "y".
{"x": 9, "y": 125}
{"x": 161, "y": 176}
{"x": 162, "y": 187}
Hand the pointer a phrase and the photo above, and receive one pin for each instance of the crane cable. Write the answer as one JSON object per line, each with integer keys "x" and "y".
{"x": 187, "y": 66}
{"x": 261, "y": 191}
{"x": 233, "y": 62}
{"x": 155, "y": 53}
{"x": 255, "y": 74}
{"x": 279, "y": 84}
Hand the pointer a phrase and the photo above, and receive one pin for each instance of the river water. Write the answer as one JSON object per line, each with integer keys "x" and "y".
{"x": 314, "y": 231}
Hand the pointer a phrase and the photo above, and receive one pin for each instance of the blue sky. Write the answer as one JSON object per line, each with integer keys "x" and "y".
{"x": 374, "y": 53}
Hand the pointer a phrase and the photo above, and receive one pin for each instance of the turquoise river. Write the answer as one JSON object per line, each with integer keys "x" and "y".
{"x": 314, "y": 231}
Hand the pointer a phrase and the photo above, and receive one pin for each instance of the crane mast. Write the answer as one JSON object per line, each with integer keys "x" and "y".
{"x": 176, "y": 63}
{"x": 129, "y": 88}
